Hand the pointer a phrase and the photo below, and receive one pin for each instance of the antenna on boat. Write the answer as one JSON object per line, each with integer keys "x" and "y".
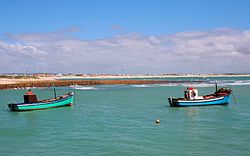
{"x": 54, "y": 90}
{"x": 192, "y": 81}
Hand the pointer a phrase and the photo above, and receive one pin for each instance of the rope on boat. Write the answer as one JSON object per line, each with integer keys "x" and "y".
{"x": 74, "y": 97}
{"x": 233, "y": 97}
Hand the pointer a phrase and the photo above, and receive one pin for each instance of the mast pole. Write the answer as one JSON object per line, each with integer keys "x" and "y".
{"x": 216, "y": 86}
{"x": 55, "y": 91}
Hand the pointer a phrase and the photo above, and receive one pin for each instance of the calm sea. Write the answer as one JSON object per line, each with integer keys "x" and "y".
{"x": 119, "y": 120}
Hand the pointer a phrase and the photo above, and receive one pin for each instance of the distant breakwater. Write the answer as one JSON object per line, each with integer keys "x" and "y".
{"x": 61, "y": 83}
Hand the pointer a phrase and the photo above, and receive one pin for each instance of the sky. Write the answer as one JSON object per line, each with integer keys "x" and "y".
{"x": 125, "y": 36}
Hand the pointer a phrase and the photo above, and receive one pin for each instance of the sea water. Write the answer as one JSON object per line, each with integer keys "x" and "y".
{"x": 120, "y": 120}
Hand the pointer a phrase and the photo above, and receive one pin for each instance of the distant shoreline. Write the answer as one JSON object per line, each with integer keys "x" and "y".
{"x": 49, "y": 81}
{"x": 150, "y": 76}
{"x": 54, "y": 78}
{"x": 60, "y": 83}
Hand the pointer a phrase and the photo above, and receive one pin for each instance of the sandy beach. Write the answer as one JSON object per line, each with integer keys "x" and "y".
{"x": 15, "y": 81}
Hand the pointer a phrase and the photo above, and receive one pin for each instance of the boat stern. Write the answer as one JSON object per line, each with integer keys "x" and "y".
{"x": 170, "y": 101}
{"x": 13, "y": 107}
{"x": 173, "y": 102}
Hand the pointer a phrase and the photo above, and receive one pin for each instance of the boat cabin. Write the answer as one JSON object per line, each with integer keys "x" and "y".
{"x": 192, "y": 94}
{"x": 30, "y": 98}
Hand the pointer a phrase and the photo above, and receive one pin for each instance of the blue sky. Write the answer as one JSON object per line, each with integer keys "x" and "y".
{"x": 95, "y": 18}
{"x": 128, "y": 34}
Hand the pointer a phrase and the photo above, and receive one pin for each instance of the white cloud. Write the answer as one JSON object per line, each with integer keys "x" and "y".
{"x": 21, "y": 50}
{"x": 218, "y": 50}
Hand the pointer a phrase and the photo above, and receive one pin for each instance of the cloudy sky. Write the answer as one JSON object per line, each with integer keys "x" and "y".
{"x": 134, "y": 37}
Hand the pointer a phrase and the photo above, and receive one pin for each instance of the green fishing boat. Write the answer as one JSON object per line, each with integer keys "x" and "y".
{"x": 31, "y": 102}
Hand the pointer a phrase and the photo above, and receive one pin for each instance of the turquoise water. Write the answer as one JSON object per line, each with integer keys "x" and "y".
{"x": 119, "y": 120}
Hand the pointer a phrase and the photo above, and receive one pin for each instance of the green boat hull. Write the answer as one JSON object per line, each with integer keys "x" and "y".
{"x": 68, "y": 100}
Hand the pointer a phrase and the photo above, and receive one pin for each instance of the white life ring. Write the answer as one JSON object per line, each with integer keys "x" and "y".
{"x": 193, "y": 94}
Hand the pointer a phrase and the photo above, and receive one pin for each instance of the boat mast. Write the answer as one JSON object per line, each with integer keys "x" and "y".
{"x": 55, "y": 91}
{"x": 192, "y": 83}
{"x": 216, "y": 86}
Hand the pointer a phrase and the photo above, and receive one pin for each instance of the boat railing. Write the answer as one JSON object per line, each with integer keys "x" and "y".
{"x": 223, "y": 91}
{"x": 58, "y": 98}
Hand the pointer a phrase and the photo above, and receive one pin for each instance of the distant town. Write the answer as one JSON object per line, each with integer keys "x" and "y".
{"x": 70, "y": 75}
